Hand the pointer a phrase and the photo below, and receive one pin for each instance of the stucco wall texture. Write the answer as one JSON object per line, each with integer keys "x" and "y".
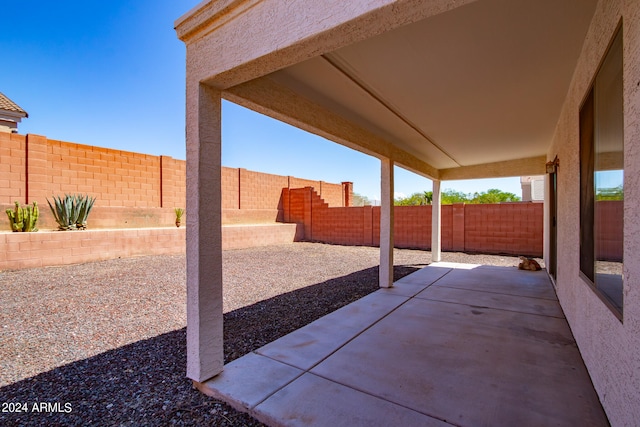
{"x": 610, "y": 347}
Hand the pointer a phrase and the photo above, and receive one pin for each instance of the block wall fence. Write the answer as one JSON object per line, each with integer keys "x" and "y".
{"x": 504, "y": 228}
{"x": 138, "y": 190}
{"x": 509, "y": 228}
{"x": 34, "y": 168}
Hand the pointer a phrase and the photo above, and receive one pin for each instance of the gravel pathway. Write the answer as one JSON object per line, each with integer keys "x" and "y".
{"x": 104, "y": 343}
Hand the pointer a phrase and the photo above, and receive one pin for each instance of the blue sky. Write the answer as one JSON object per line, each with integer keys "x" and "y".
{"x": 112, "y": 74}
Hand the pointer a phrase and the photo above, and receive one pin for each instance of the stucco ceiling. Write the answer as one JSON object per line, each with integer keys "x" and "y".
{"x": 482, "y": 83}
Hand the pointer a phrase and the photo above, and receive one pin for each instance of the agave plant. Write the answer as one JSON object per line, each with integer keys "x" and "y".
{"x": 63, "y": 212}
{"x": 84, "y": 206}
{"x": 71, "y": 212}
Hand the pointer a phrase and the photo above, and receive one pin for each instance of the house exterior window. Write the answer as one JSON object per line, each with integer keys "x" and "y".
{"x": 601, "y": 181}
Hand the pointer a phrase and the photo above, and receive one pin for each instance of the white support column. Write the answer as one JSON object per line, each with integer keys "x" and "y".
{"x": 436, "y": 223}
{"x": 204, "y": 234}
{"x": 386, "y": 223}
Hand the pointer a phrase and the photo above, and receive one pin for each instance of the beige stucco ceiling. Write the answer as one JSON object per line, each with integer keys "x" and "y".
{"x": 479, "y": 84}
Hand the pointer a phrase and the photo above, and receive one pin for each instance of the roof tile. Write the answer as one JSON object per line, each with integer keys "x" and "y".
{"x": 9, "y": 105}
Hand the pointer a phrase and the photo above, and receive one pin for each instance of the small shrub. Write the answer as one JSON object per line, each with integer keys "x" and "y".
{"x": 24, "y": 219}
{"x": 179, "y": 212}
{"x": 71, "y": 212}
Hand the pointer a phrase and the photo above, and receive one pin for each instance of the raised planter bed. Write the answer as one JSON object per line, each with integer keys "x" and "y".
{"x": 48, "y": 248}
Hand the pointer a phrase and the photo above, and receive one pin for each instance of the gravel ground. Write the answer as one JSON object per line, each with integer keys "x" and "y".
{"x": 104, "y": 343}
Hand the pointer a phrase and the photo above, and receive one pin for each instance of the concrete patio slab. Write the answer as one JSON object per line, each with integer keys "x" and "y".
{"x": 504, "y": 280}
{"x": 467, "y": 365}
{"x": 476, "y": 350}
{"x": 424, "y": 276}
{"x": 541, "y": 306}
{"x": 249, "y": 380}
{"x": 309, "y": 345}
{"x": 416, "y": 282}
{"x": 343, "y": 406}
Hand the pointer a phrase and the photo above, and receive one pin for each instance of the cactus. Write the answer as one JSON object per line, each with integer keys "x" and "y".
{"x": 71, "y": 212}
{"x": 14, "y": 221}
{"x": 19, "y": 217}
{"x": 14, "y": 218}
{"x": 31, "y": 215}
{"x": 24, "y": 219}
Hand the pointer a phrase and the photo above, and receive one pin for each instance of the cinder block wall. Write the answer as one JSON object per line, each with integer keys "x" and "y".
{"x": 45, "y": 248}
{"x": 173, "y": 174}
{"x": 513, "y": 228}
{"x": 13, "y": 161}
{"x": 33, "y": 168}
{"x": 260, "y": 190}
{"x": 115, "y": 178}
{"x": 133, "y": 189}
{"x": 140, "y": 190}
{"x": 510, "y": 228}
{"x": 230, "y": 188}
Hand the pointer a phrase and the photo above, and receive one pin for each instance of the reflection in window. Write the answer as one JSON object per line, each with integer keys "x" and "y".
{"x": 602, "y": 180}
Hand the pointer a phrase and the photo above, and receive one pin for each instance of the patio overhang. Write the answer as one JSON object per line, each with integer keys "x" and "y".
{"x": 280, "y": 102}
{"x": 436, "y": 87}
{"x": 449, "y": 90}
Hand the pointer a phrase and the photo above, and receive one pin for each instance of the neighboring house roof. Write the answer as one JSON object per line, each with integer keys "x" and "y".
{"x": 8, "y": 105}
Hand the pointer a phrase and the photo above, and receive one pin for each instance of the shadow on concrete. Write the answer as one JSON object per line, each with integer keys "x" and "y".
{"x": 144, "y": 383}
{"x": 253, "y": 326}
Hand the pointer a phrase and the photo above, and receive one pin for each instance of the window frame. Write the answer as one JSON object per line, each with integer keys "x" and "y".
{"x": 588, "y": 121}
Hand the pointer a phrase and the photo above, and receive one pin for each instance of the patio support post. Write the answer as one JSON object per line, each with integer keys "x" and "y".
{"x": 436, "y": 223}
{"x": 386, "y": 223}
{"x": 204, "y": 233}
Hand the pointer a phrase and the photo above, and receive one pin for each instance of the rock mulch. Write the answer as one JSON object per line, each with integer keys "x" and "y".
{"x": 104, "y": 343}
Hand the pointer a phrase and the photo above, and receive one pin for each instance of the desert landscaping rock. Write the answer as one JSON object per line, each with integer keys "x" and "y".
{"x": 104, "y": 343}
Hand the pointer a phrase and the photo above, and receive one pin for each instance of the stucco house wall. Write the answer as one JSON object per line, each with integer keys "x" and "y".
{"x": 610, "y": 347}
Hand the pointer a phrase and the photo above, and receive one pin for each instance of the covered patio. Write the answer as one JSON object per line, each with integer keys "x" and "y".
{"x": 450, "y": 90}
{"x": 451, "y": 344}
{"x": 388, "y": 78}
